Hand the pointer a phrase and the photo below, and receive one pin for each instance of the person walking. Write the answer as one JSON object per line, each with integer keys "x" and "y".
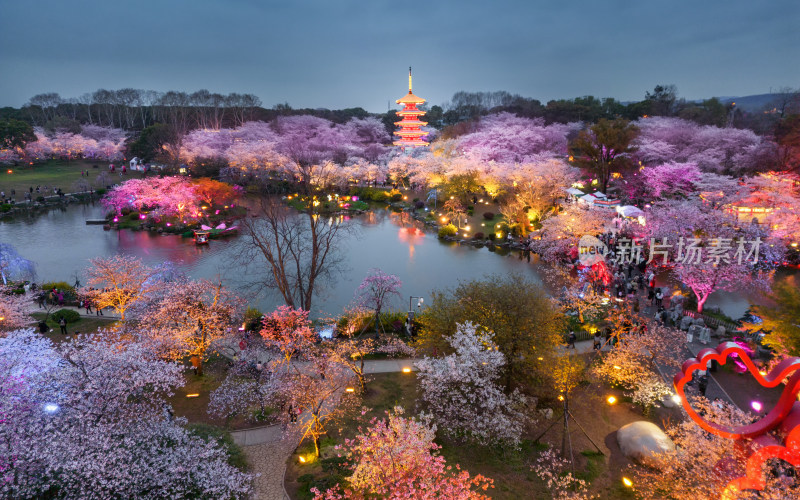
{"x": 598, "y": 341}
{"x": 659, "y": 297}
{"x": 87, "y": 302}
{"x": 62, "y": 323}
{"x": 571, "y": 339}
{"x": 702, "y": 384}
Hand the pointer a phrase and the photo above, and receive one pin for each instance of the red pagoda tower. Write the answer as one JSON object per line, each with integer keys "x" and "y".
{"x": 409, "y": 135}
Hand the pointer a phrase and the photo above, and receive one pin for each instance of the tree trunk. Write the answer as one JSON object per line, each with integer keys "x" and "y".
{"x": 700, "y": 302}
{"x": 316, "y": 446}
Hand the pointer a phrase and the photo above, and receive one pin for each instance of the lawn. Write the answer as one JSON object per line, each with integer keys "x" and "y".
{"x": 198, "y": 388}
{"x": 87, "y": 324}
{"x": 58, "y": 173}
{"x": 510, "y": 469}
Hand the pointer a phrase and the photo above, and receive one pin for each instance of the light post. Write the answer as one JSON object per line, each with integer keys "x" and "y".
{"x": 411, "y": 310}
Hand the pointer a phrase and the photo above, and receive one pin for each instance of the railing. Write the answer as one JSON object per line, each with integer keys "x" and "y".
{"x": 711, "y": 321}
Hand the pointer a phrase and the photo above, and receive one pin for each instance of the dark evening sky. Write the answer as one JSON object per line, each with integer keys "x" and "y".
{"x": 347, "y": 53}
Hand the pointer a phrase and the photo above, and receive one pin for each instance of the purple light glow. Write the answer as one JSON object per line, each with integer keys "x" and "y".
{"x": 757, "y": 406}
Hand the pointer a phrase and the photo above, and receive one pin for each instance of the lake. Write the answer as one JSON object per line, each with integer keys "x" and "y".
{"x": 60, "y": 243}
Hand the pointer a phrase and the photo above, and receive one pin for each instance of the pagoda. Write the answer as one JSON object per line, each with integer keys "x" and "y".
{"x": 409, "y": 135}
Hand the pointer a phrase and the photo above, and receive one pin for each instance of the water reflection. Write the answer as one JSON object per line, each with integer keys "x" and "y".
{"x": 60, "y": 243}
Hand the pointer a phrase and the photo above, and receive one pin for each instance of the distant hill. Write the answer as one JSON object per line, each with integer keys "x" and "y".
{"x": 752, "y": 102}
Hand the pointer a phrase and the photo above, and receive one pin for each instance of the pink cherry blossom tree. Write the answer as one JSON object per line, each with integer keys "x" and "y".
{"x": 396, "y": 458}
{"x": 376, "y": 291}
{"x": 560, "y": 234}
{"x": 290, "y": 332}
{"x": 14, "y": 311}
{"x": 167, "y": 196}
{"x": 711, "y": 250}
{"x": 90, "y": 420}
{"x": 462, "y": 393}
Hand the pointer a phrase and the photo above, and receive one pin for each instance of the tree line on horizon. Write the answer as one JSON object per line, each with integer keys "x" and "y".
{"x": 135, "y": 109}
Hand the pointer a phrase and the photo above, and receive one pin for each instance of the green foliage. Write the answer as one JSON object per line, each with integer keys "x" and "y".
{"x": 252, "y": 319}
{"x": 488, "y": 215}
{"x": 447, "y": 230}
{"x": 149, "y": 145}
{"x": 101, "y": 191}
{"x": 520, "y": 314}
{"x": 69, "y": 316}
{"x": 5, "y": 207}
{"x": 359, "y": 205}
{"x": 602, "y": 149}
{"x": 782, "y": 317}
{"x": 236, "y": 456}
{"x": 15, "y": 134}
{"x": 62, "y": 286}
{"x": 478, "y": 236}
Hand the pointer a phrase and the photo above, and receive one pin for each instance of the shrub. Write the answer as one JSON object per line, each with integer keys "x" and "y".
{"x": 448, "y": 230}
{"x": 133, "y": 216}
{"x": 488, "y": 215}
{"x": 5, "y": 207}
{"x": 252, "y": 319}
{"x": 471, "y": 207}
{"x": 359, "y": 205}
{"x": 395, "y": 195}
{"x": 100, "y": 192}
{"x": 419, "y": 205}
{"x": 415, "y": 200}
{"x": 380, "y": 196}
{"x": 68, "y": 314}
{"x": 62, "y": 286}
{"x": 40, "y": 199}
{"x": 478, "y": 236}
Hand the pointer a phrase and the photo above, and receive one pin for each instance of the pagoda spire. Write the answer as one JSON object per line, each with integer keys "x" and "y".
{"x": 409, "y": 79}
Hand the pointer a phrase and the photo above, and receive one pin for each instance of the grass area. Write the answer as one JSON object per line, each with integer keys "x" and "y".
{"x": 60, "y": 174}
{"x": 195, "y": 408}
{"x": 87, "y": 324}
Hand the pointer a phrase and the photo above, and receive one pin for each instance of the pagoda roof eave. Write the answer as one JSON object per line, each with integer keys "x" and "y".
{"x": 410, "y": 99}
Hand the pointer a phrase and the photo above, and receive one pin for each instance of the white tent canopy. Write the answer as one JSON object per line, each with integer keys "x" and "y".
{"x": 598, "y": 194}
{"x": 574, "y": 191}
{"x": 587, "y": 199}
{"x": 630, "y": 211}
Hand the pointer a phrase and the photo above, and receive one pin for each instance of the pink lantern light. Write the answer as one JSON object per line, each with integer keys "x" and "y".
{"x": 757, "y": 406}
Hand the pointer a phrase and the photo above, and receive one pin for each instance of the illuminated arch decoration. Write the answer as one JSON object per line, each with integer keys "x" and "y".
{"x": 410, "y": 135}
{"x": 754, "y": 441}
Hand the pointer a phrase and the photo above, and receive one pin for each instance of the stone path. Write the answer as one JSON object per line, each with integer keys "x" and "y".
{"x": 267, "y": 450}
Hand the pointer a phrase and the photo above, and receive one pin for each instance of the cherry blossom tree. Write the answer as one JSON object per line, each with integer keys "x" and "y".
{"x": 711, "y": 251}
{"x": 167, "y": 196}
{"x": 188, "y": 318}
{"x": 634, "y": 361}
{"x": 119, "y": 282}
{"x": 506, "y": 138}
{"x": 376, "y": 291}
{"x": 89, "y": 421}
{"x": 213, "y": 193}
{"x": 536, "y": 189}
{"x": 13, "y": 310}
{"x": 249, "y": 385}
{"x": 702, "y": 464}
{"x": 461, "y": 390}
{"x": 317, "y": 394}
{"x": 560, "y": 234}
{"x": 289, "y": 331}
{"x": 396, "y": 458}
{"x": 560, "y": 481}
{"x": 728, "y": 151}
{"x": 14, "y": 266}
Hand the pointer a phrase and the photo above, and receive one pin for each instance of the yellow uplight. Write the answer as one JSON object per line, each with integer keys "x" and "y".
{"x": 611, "y": 400}
{"x": 302, "y": 459}
{"x": 561, "y": 398}
{"x": 350, "y": 389}
{"x": 193, "y": 395}
{"x": 617, "y": 367}
{"x": 406, "y": 370}
{"x": 627, "y": 482}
